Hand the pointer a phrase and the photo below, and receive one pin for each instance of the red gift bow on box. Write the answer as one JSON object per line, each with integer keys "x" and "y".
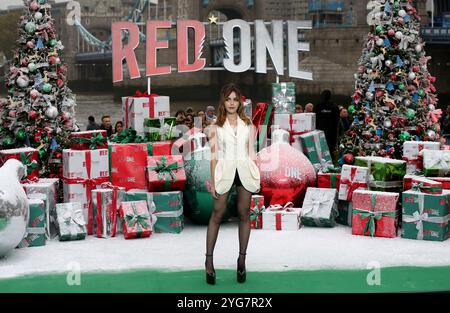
{"x": 291, "y": 131}
{"x": 90, "y": 184}
{"x": 351, "y": 185}
{"x": 138, "y": 94}
{"x": 288, "y": 207}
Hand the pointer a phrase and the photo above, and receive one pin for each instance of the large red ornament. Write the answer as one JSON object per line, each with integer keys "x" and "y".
{"x": 286, "y": 173}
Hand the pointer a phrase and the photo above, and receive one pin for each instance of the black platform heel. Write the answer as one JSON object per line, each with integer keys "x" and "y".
{"x": 241, "y": 272}
{"x": 210, "y": 277}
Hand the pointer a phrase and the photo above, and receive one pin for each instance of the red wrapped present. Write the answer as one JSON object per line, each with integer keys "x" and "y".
{"x": 137, "y": 221}
{"x": 256, "y": 209}
{"x": 425, "y": 185}
{"x": 128, "y": 162}
{"x": 166, "y": 173}
{"x": 28, "y": 156}
{"x": 375, "y": 213}
{"x": 328, "y": 180}
{"x": 89, "y": 140}
{"x": 445, "y": 181}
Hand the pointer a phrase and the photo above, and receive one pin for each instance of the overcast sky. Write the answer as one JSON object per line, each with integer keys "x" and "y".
{"x": 5, "y": 3}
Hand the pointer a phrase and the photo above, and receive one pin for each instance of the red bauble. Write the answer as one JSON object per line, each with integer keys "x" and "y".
{"x": 416, "y": 68}
{"x": 32, "y": 115}
{"x": 380, "y": 93}
{"x": 349, "y": 158}
{"x": 391, "y": 32}
{"x": 52, "y": 60}
{"x": 60, "y": 83}
{"x": 12, "y": 114}
{"x": 286, "y": 173}
{"x": 30, "y": 45}
{"x": 24, "y": 62}
{"x": 393, "y": 77}
{"x": 34, "y": 6}
{"x": 37, "y": 136}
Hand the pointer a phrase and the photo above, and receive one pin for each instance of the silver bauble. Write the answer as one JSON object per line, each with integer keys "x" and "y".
{"x": 38, "y": 16}
{"x": 399, "y": 35}
{"x": 388, "y": 63}
{"x": 412, "y": 76}
{"x": 23, "y": 81}
{"x": 407, "y": 102}
{"x": 431, "y": 107}
{"x": 13, "y": 206}
{"x": 418, "y": 48}
{"x": 431, "y": 134}
{"x": 369, "y": 96}
{"x": 380, "y": 42}
{"x": 402, "y": 13}
{"x": 387, "y": 123}
{"x": 51, "y": 112}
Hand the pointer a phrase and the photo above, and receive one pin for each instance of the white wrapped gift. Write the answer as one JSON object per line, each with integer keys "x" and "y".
{"x": 320, "y": 207}
{"x": 352, "y": 178}
{"x": 295, "y": 123}
{"x": 136, "y": 109}
{"x": 85, "y": 163}
{"x": 436, "y": 163}
{"x": 276, "y": 217}
{"x": 412, "y": 154}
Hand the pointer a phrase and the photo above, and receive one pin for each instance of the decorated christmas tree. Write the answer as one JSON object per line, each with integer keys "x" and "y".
{"x": 40, "y": 108}
{"x": 394, "y": 99}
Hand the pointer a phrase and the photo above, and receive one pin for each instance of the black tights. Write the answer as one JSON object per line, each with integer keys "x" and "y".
{"x": 220, "y": 205}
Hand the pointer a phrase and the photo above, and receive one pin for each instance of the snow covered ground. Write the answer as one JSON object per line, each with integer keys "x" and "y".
{"x": 306, "y": 249}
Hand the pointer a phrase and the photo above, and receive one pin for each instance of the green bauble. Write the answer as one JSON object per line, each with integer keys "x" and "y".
{"x": 404, "y": 136}
{"x": 42, "y": 154}
{"x": 21, "y": 135}
{"x": 379, "y": 29}
{"x": 42, "y": 1}
{"x": 410, "y": 113}
{"x": 32, "y": 67}
{"x": 421, "y": 93}
{"x": 52, "y": 42}
{"x": 198, "y": 201}
{"x": 30, "y": 27}
{"x": 401, "y": 86}
{"x": 47, "y": 88}
{"x": 351, "y": 109}
{"x": 8, "y": 141}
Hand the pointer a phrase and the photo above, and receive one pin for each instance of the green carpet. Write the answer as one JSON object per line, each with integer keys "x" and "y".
{"x": 398, "y": 279}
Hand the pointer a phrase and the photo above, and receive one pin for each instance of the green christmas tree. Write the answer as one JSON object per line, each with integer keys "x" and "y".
{"x": 394, "y": 99}
{"x": 40, "y": 109}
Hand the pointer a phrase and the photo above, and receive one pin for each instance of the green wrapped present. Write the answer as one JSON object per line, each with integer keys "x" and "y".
{"x": 315, "y": 147}
{"x": 167, "y": 207}
{"x": 160, "y": 129}
{"x": 283, "y": 97}
{"x": 436, "y": 162}
{"x": 320, "y": 207}
{"x": 72, "y": 225}
{"x": 385, "y": 174}
{"x": 426, "y": 216}
{"x": 345, "y": 211}
{"x": 36, "y": 224}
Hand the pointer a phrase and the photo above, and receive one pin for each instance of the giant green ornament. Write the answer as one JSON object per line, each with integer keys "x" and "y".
{"x": 410, "y": 113}
{"x": 30, "y": 27}
{"x": 47, "y": 88}
{"x": 198, "y": 201}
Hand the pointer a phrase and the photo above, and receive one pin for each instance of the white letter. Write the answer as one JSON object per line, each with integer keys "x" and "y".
{"x": 74, "y": 276}
{"x": 275, "y": 46}
{"x": 246, "y": 53}
{"x": 374, "y": 277}
{"x": 294, "y": 46}
{"x": 74, "y": 9}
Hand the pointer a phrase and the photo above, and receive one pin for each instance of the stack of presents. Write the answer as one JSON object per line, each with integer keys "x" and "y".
{"x": 376, "y": 196}
{"x": 133, "y": 187}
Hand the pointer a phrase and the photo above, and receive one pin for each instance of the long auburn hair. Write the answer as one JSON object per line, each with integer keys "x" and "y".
{"x": 222, "y": 112}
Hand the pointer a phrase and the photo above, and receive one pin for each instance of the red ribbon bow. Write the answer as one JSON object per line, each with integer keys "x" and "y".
{"x": 351, "y": 184}
{"x": 151, "y": 106}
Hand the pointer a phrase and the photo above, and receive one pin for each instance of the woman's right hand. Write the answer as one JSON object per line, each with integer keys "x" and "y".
{"x": 214, "y": 193}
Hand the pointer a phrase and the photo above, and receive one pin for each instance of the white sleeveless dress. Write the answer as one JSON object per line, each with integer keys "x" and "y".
{"x": 232, "y": 156}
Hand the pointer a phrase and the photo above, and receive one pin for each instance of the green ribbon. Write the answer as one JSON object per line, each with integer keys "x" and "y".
{"x": 263, "y": 132}
{"x": 332, "y": 170}
{"x": 94, "y": 142}
{"x": 255, "y": 212}
{"x": 26, "y": 160}
{"x": 333, "y": 181}
{"x": 372, "y": 216}
{"x": 128, "y": 135}
{"x": 137, "y": 220}
{"x": 165, "y": 172}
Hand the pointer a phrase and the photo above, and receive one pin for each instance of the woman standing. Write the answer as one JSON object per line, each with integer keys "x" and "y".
{"x": 232, "y": 163}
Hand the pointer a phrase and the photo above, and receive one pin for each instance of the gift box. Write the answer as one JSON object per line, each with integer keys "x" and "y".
{"x": 128, "y": 162}
{"x": 137, "y": 221}
{"x": 35, "y": 236}
{"x": 283, "y": 97}
{"x": 375, "y": 213}
{"x": 315, "y": 147}
{"x": 72, "y": 225}
{"x": 105, "y": 208}
{"x": 295, "y": 124}
{"x": 352, "y": 178}
{"x": 445, "y": 181}
{"x": 329, "y": 178}
{"x": 319, "y": 207}
{"x": 141, "y": 106}
{"x": 426, "y": 216}
{"x": 383, "y": 170}
{"x": 166, "y": 173}
{"x": 436, "y": 163}
{"x": 407, "y": 181}
{"x": 412, "y": 154}
{"x": 165, "y": 207}
{"x": 262, "y": 120}
{"x": 345, "y": 209}
{"x": 256, "y": 209}
{"x": 277, "y": 217}
{"x": 89, "y": 140}
{"x": 425, "y": 185}
{"x": 28, "y": 156}
{"x": 48, "y": 187}
{"x": 160, "y": 129}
